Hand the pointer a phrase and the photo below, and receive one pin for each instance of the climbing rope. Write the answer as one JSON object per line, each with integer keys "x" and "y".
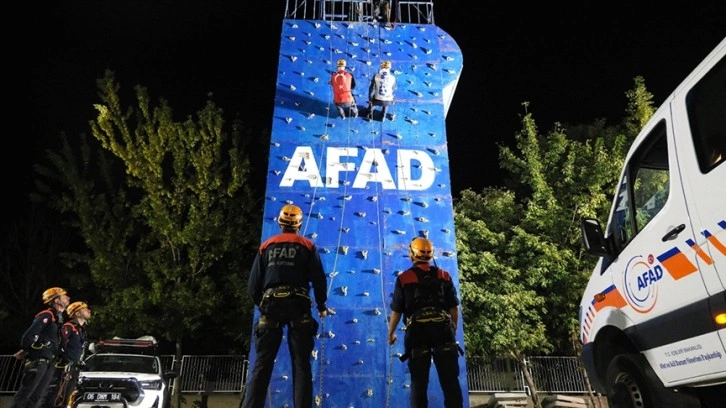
{"x": 375, "y": 56}
{"x": 377, "y": 133}
{"x": 345, "y": 182}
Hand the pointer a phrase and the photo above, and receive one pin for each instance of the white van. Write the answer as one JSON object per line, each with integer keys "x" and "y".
{"x": 653, "y": 315}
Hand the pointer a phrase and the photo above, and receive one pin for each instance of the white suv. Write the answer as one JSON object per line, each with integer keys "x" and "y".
{"x": 123, "y": 373}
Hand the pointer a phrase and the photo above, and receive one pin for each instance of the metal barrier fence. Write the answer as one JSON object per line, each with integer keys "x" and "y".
{"x": 558, "y": 374}
{"x": 226, "y": 374}
{"x": 402, "y": 11}
{"x": 499, "y": 375}
{"x": 10, "y": 368}
{"x": 212, "y": 373}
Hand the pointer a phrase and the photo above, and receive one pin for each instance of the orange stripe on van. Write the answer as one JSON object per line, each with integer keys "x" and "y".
{"x": 716, "y": 243}
{"x": 613, "y": 298}
{"x": 700, "y": 252}
{"x": 677, "y": 263}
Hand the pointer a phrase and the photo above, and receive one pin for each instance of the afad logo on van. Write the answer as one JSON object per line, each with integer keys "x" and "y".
{"x": 640, "y": 282}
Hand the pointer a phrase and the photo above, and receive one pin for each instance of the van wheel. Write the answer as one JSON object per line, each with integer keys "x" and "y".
{"x": 631, "y": 383}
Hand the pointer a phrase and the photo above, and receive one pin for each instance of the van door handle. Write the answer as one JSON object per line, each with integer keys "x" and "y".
{"x": 673, "y": 233}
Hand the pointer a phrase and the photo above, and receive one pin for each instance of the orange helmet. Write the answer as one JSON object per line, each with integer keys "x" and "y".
{"x": 421, "y": 250}
{"x": 52, "y": 293}
{"x": 75, "y": 307}
{"x": 290, "y": 217}
{"x": 386, "y": 65}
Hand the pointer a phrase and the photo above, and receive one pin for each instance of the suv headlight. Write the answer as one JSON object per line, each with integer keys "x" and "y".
{"x": 151, "y": 385}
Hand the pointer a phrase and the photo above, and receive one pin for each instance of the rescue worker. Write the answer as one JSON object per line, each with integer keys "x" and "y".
{"x": 381, "y": 10}
{"x": 343, "y": 83}
{"x": 73, "y": 346}
{"x": 426, "y": 297}
{"x": 39, "y": 346}
{"x": 381, "y": 90}
{"x": 279, "y": 284}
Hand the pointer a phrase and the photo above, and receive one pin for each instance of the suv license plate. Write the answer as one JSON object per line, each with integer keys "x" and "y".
{"x": 102, "y": 396}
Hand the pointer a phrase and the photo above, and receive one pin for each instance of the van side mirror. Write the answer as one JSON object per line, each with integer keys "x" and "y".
{"x": 593, "y": 238}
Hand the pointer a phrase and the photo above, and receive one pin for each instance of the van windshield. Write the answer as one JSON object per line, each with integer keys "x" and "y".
{"x": 644, "y": 188}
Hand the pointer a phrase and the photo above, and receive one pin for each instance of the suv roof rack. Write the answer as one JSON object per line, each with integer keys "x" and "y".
{"x": 142, "y": 345}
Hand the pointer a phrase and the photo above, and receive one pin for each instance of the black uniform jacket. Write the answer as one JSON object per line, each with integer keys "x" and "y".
{"x": 288, "y": 259}
{"x": 404, "y": 293}
{"x": 40, "y": 340}
{"x": 73, "y": 337}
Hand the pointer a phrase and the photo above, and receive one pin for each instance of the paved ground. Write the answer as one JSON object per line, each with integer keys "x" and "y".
{"x": 476, "y": 400}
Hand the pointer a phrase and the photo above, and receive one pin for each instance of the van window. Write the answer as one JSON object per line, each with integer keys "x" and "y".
{"x": 644, "y": 188}
{"x": 706, "y": 105}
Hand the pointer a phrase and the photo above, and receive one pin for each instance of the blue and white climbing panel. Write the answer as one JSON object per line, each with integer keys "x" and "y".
{"x": 366, "y": 188}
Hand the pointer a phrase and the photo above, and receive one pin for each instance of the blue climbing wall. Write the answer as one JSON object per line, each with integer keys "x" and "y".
{"x": 367, "y": 188}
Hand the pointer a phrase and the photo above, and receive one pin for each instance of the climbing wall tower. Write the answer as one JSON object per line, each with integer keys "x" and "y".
{"x": 366, "y": 187}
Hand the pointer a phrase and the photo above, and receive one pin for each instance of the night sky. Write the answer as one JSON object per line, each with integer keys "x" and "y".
{"x": 572, "y": 63}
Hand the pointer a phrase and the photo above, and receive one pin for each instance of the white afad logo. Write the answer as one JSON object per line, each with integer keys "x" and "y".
{"x": 372, "y": 169}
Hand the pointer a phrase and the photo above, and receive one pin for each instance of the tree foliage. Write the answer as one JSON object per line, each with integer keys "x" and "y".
{"x": 163, "y": 208}
{"x": 521, "y": 262}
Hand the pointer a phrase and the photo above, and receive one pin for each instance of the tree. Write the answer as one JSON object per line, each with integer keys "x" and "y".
{"x": 496, "y": 299}
{"x": 163, "y": 208}
{"x": 520, "y": 258}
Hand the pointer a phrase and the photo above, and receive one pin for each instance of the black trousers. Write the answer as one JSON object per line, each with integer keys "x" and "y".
{"x": 37, "y": 376}
{"x": 446, "y": 360}
{"x": 51, "y": 391}
{"x": 67, "y": 383}
{"x": 433, "y": 341}
{"x": 300, "y": 343}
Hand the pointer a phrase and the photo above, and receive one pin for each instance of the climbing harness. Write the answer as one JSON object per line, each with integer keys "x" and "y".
{"x": 284, "y": 303}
